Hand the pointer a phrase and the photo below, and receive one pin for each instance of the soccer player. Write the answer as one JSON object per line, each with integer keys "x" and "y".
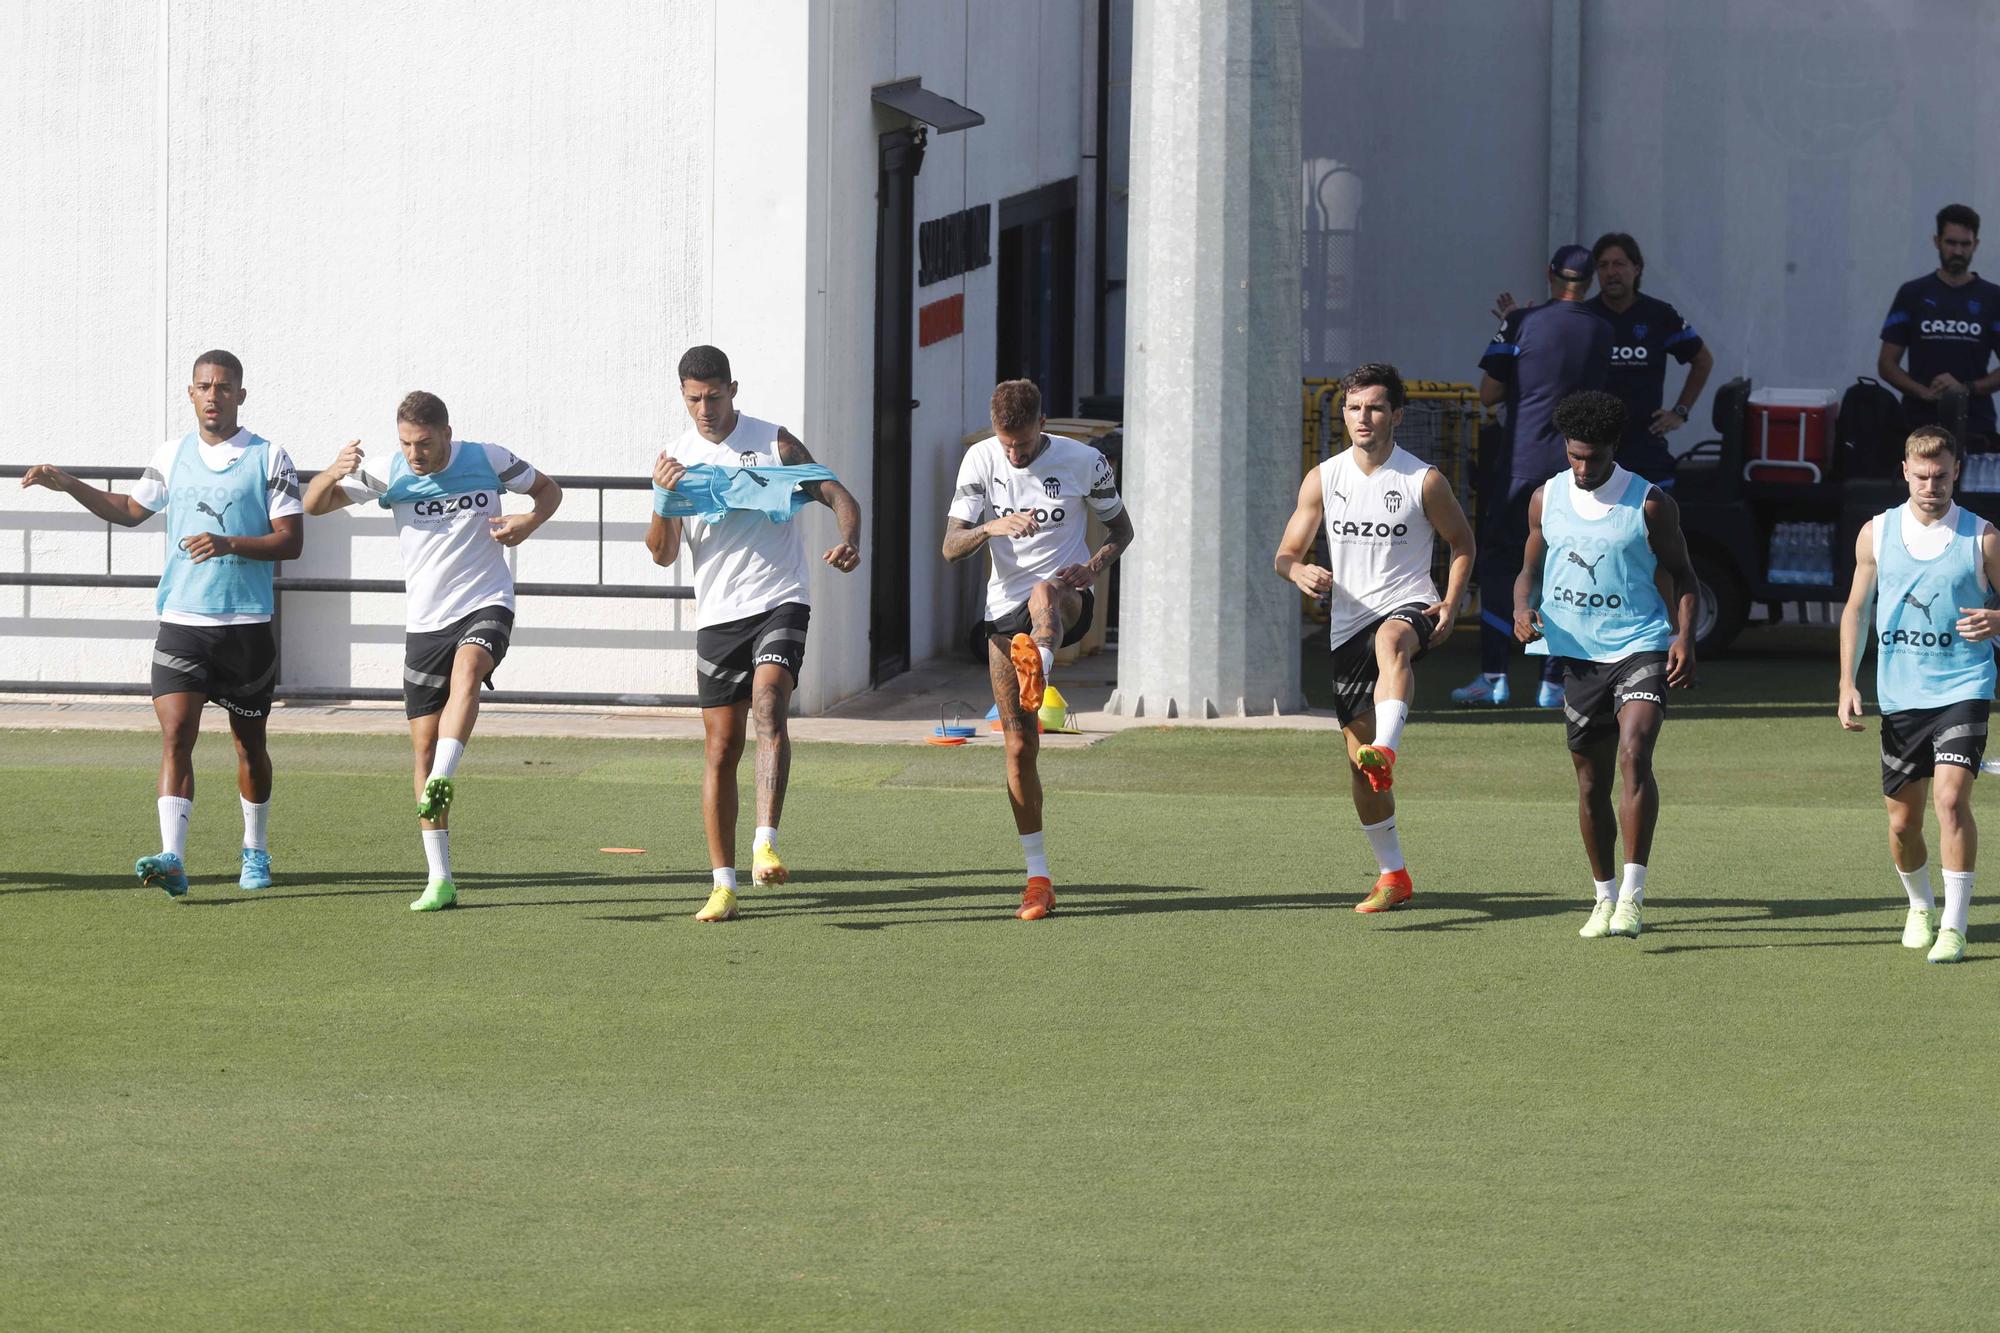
{"x": 1930, "y": 567}
{"x": 751, "y": 605}
{"x": 1597, "y": 538}
{"x": 1021, "y": 496}
{"x": 1645, "y": 332}
{"x": 1382, "y": 507}
{"x": 1947, "y": 322}
{"x": 459, "y": 614}
{"x": 1540, "y": 354}
{"x": 232, "y": 502}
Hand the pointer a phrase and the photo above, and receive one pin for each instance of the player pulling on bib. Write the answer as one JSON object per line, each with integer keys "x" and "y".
{"x": 1930, "y": 568}
{"x": 460, "y": 609}
{"x": 1588, "y": 596}
{"x": 1381, "y": 507}
{"x": 751, "y": 604}
{"x": 1039, "y": 597}
{"x": 232, "y": 502}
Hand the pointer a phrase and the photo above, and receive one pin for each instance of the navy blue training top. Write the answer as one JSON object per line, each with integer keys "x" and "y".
{"x": 1947, "y": 329}
{"x": 1543, "y": 353}
{"x": 1643, "y": 336}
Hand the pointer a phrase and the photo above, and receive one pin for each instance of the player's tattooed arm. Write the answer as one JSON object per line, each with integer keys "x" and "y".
{"x": 845, "y": 557}
{"x": 963, "y": 538}
{"x": 1663, "y": 534}
{"x": 1293, "y": 548}
{"x": 107, "y": 505}
{"x": 1860, "y": 594}
{"x": 1528, "y": 586}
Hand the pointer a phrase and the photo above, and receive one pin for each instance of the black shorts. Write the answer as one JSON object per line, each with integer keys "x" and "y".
{"x": 428, "y": 655}
{"x": 1593, "y": 692}
{"x": 1017, "y": 622}
{"x": 1916, "y": 740}
{"x": 727, "y": 656}
{"x": 232, "y": 665}
{"x": 1355, "y": 670}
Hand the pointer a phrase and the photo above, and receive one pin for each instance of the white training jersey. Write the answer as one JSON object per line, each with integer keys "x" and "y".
{"x": 281, "y": 490}
{"x": 744, "y": 564}
{"x": 1057, "y": 486}
{"x": 1378, "y": 540}
{"x": 451, "y": 564}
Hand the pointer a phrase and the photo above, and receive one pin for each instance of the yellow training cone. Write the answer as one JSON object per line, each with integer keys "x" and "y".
{"x": 1055, "y": 712}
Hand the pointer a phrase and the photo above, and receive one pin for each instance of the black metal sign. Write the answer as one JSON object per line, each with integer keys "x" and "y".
{"x": 954, "y": 244}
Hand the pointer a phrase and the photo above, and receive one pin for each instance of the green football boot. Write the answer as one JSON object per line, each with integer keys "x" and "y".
{"x": 437, "y": 799}
{"x": 438, "y": 895}
{"x": 1599, "y": 924}
{"x": 1920, "y": 928}
{"x": 1950, "y": 947}
{"x": 1624, "y": 919}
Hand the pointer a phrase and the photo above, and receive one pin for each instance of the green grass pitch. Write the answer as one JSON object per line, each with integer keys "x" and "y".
{"x": 1205, "y": 1094}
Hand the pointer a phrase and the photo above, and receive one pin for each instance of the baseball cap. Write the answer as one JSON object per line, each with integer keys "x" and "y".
{"x": 1572, "y": 263}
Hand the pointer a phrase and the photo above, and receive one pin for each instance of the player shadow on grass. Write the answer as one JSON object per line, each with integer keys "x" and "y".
{"x": 914, "y": 905}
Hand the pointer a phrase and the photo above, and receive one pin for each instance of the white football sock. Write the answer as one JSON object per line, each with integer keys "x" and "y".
{"x": 1957, "y": 900}
{"x": 437, "y": 851}
{"x": 445, "y": 763}
{"x": 1633, "y": 890}
{"x": 175, "y": 812}
{"x": 256, "y": 823}
{"x": 1031, "y": 847}
{"x": 1389, "y": 720}
{"x": 1048, "y": 660}
{"x": 1388, "y": 848}
{"x": 1607, "y": 889}
{"x": 1917, "y": 883}
{"x": 767, "y": 836}
{"x": 725, "y": 878}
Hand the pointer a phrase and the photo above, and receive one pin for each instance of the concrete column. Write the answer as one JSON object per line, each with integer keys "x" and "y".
{"x": 1212, "y": 347}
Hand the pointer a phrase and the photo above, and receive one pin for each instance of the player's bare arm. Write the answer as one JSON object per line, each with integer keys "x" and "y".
{"x": 663, "y": 535}
{"x": 1663, "y": 534}
{"x": 1118, "y": 536}
{"x": 1290, "y": 561}
{"x": 513, "y": 529}
{"x": 1447, "y": 519}
{"x": 1976, "y": 623}
{"x": 1528, "y": 586}
{"x": 845, "y": 557}
{"x": 107, "y": 505}
{"x": 323, "y": 493}
{"x": 962, "y": 539}
{"x": 1859, "y": 596}
{"x": 285, "y": 541}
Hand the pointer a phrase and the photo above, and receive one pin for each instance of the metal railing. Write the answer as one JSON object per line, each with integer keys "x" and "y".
{"x": 283, "y": 584}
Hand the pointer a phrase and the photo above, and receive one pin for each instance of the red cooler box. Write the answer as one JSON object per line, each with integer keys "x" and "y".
{"x": 1789, "y": 435}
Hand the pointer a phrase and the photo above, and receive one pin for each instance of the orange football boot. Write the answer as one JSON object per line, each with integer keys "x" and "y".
{"x": 1392, "y": 890}
{"x": 1378, "y": 765}
{"x": 1038, "y": 900}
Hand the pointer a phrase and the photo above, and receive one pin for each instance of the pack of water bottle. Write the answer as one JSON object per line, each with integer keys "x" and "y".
{"x": 1802, "y": 553}
{"x": 1982, "y": 473}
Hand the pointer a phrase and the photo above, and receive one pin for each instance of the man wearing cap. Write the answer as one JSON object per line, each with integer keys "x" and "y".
{"x": 1540, "y": 355}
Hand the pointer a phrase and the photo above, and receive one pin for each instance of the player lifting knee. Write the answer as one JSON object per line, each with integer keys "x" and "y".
{"x": 1382, "y": 508}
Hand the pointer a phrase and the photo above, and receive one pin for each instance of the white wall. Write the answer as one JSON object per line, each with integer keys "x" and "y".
{"x": 531, "y": 219}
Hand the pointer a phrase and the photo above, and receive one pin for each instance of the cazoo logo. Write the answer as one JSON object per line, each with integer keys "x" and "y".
{"x": 1040, "y": 515}
{"x": 1916, "y": 638}
{"x": 454, "y": 504}
{"x": 1969, "y": 328}
{"x": 1590, "y": 601}
{"x": 1367, "y": 528}
{"x": 1638, "y": 353}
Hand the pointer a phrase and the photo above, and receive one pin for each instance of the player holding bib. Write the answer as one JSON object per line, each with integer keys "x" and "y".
{"x": 1930, "y": 568}
{"x": 460, "y": 607}
{"x": 1022, "y": 496}
{"x": 1587, "y": 596}
{"x": 1382, "y": 508}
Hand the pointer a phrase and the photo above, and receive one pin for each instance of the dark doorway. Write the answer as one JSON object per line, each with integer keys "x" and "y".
{"x": 1037, "y": 281}
{"x": 902, "y": 157}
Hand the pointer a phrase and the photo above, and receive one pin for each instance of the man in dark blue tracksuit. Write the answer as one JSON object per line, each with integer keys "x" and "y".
{"x": 1645, "y": 331}
{"x": 1949, "y": 323}
{"x": 1541, "y": 355}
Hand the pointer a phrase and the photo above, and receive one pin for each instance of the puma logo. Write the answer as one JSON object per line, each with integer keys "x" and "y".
{"x": 1910, "y": 599}
{"x": 754, "y": 477}
{"x": 201, "y": 506}
{"x": 1587, "y": 566}
{"x": 1340, "y": 496}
